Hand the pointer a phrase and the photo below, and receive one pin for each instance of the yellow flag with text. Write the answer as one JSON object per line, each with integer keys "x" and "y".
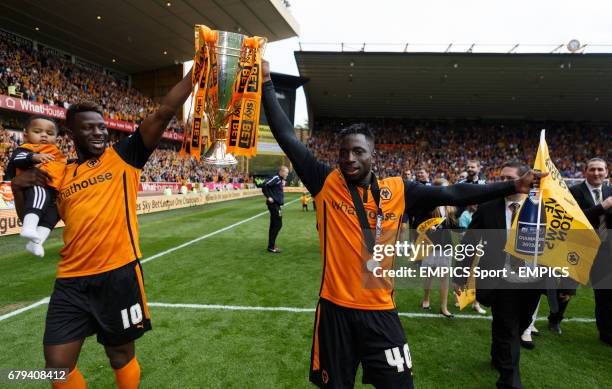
{"x": 569, "y": 240}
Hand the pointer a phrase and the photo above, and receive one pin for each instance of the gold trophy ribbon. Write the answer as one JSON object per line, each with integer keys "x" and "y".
{"x": 244, "y": 124}
{"x": 203, "y": 62}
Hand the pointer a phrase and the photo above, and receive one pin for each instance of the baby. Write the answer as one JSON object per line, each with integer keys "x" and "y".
{"x": 39, "y": 149}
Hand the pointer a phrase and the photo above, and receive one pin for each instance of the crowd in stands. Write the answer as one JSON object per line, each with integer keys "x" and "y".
{"x": 49, "y": 77}
{"x": 164, "y": 165}
{"x": 444, "y": 147}
{"x": 167, "y": 166}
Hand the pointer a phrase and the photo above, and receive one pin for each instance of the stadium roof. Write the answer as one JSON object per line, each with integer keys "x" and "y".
{"x": 458, "y": 85}
{"x": 136, "y": 33}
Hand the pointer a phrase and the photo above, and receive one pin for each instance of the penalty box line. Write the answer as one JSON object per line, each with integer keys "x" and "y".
{"x": 166, "y": 252}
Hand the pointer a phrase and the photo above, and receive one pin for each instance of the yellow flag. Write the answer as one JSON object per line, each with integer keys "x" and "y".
{"x": 466, "y": 297}
{"x": 569, "y": 239}
{"x": 423, "y": 240}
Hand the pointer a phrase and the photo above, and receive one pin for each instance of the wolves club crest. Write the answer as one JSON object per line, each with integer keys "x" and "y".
{"x": 93, "y": 162}
{"x": 385, "y": 193}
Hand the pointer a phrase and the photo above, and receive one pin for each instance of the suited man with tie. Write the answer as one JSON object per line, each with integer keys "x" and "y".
{"x": 595, "y": 200}
{"x": 512, "y": 298}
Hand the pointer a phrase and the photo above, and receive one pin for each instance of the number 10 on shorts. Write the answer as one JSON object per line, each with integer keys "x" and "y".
{"x": 394, "y": 358}
{"x": 135, "y": 316}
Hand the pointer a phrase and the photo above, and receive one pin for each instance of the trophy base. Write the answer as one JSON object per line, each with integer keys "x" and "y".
{"x": 217, "y": 155}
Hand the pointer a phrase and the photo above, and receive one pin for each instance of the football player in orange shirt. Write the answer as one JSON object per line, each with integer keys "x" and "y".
{"x": 99, "y": 287}
{"x": 356, "y": 321}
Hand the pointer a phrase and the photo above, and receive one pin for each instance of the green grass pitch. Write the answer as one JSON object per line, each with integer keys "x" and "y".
{"x": 220, "y": 348}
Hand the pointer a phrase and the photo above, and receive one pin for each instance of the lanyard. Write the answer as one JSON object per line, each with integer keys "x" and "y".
{"x": 370, "y": 240}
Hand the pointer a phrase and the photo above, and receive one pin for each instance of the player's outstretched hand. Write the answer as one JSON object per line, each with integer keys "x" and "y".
{"x": 30, "y": 177}
{"x": 528, "y": 180}
{"x": 265, "y": 70}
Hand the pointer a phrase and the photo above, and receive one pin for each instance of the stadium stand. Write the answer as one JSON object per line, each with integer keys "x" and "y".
{"x": 46, "y": 76}
{"x": 164, "y": 166}
{"x": 444, "y": 147}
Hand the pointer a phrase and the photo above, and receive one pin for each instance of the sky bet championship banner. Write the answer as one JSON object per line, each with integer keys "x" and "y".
{"x": 551, "y": 229}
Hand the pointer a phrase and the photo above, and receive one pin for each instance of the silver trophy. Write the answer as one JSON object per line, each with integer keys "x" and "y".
{"x": 217, "y": 108}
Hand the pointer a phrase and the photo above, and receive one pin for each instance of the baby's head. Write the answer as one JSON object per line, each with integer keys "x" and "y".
{"x": 40, "y": 130}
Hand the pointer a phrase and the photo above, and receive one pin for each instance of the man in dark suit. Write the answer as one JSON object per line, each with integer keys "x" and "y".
{"x": 512, "y": 299}
{"x": 558, "y": 300}
{"x": 273, "y": 190}
{"x": 595, "y": 200}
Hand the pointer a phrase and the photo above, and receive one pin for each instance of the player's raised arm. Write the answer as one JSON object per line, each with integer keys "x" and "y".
{"x": 152, "y": 128}
{"x": 311, "y": 172}
{"x": 424, "y": 197}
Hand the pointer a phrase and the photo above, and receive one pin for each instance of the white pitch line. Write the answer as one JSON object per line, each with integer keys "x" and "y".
{"x": 312, "y": 310}
{"x": 207, "y": 236}
{"x": 488, "y": 317}
{"x": 46, "y": 299}
{"x": 286, "y": 309}
{"x": 24, "y": 309}
{"x": 231, "y": 307}
{"x": 248, "y": 308}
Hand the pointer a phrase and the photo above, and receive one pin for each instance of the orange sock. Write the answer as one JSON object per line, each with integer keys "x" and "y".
{"x": 128, "y": 377}
{"x": 74, "y": 380}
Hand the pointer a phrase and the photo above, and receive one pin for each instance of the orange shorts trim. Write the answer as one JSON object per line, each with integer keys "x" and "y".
{"x": 142, "y": 291}
{"x": 315, "y": 350}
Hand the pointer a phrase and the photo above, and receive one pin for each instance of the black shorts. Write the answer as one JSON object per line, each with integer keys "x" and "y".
{"x": 345, "y": 337}
{"x": 111, "y": 304}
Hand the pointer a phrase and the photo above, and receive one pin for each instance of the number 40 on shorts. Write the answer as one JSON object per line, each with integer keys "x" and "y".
{"x": 394, "y": 358}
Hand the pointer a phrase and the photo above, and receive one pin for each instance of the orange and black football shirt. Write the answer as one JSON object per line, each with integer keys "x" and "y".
{"x": 346, "y": 280}
{"x": 97, "y": 201}
{"x": 340, "y": 234}
{"x": 21, "y": 159}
